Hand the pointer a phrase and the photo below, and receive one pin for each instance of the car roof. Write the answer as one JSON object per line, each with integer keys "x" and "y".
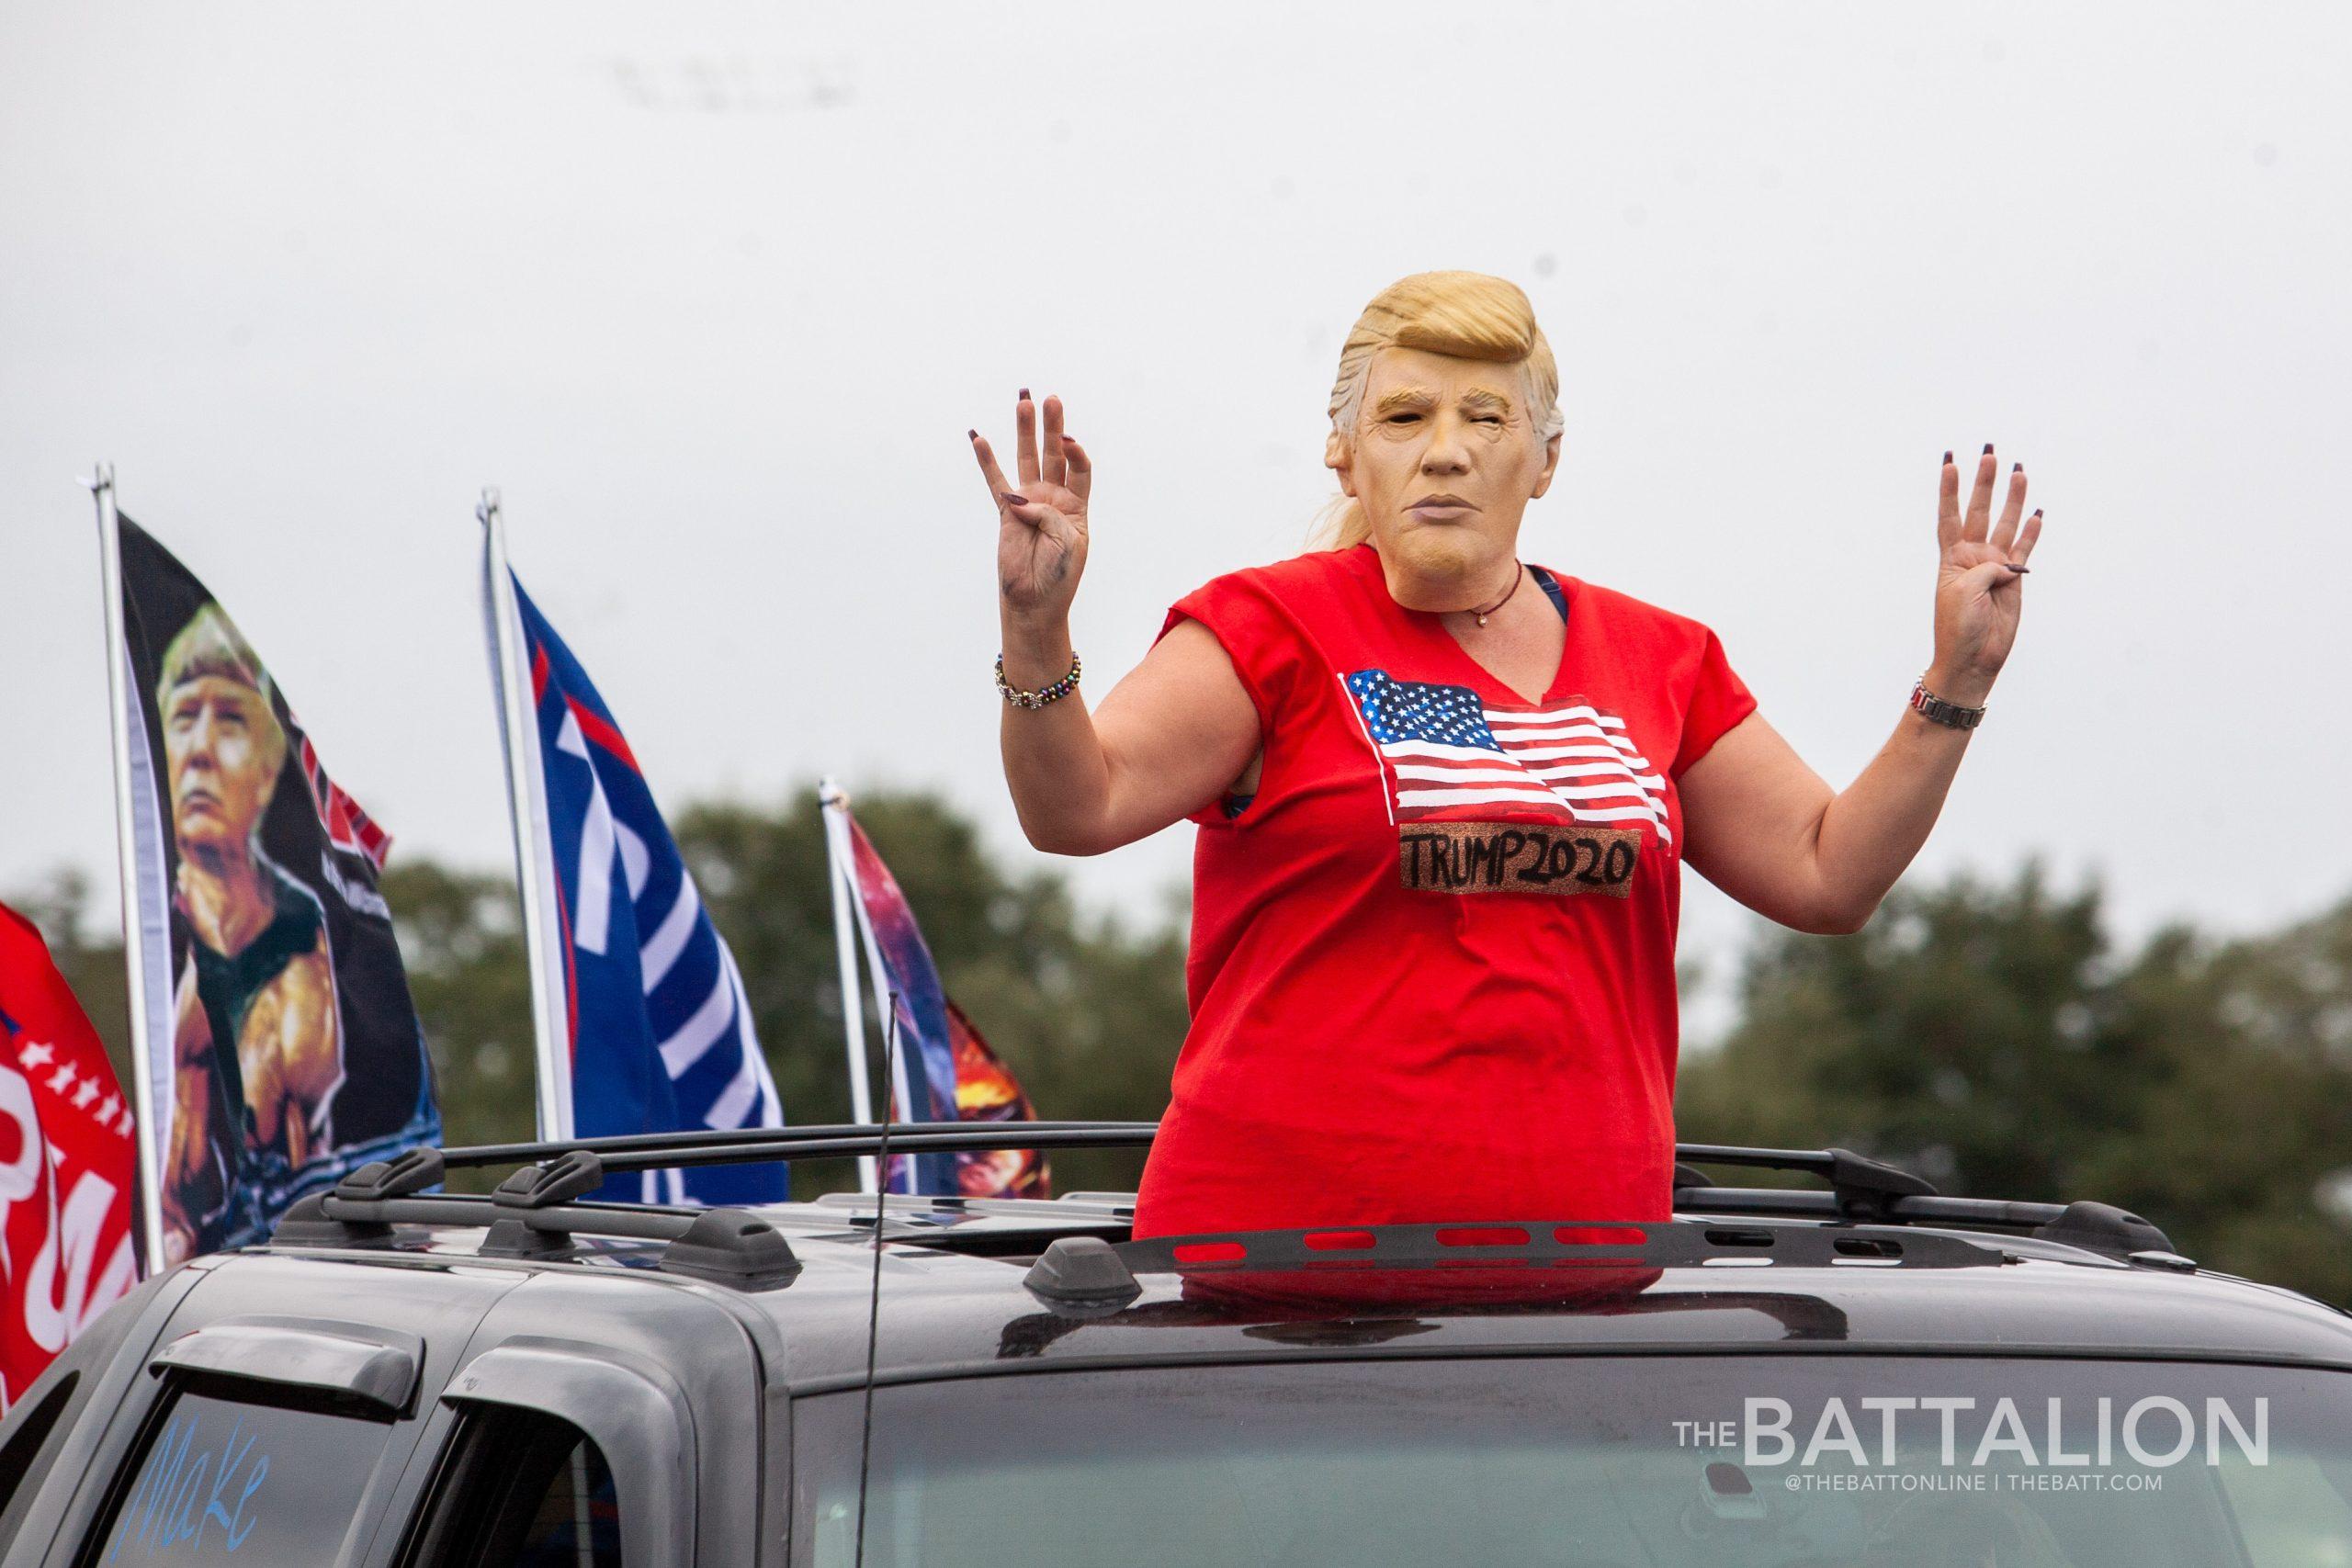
{"x": 960, "y": 1295}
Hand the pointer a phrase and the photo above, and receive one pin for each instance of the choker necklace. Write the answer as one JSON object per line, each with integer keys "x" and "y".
{"x": 1498, "y": 604}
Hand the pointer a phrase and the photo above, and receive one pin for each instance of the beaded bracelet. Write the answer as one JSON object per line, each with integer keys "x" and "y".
{"x": 1040, "y": 697}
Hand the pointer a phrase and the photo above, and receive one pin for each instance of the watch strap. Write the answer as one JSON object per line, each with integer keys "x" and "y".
{"x": 1937, "y": 711}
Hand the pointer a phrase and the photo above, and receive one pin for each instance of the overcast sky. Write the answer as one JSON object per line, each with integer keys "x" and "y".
{"x": 713, "y": 292}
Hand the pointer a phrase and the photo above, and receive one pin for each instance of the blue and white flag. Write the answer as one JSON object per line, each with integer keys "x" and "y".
{"x": 655, "y": 1030}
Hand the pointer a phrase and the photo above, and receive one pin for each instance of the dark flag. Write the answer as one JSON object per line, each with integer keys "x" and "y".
{"x": 944, "y": 1070}
{"x": 283, "y": 1048}
{"x": 986, "y": 1090}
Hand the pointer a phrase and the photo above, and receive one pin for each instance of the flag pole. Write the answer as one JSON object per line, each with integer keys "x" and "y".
{"x": 151, "y": 1192}
{"x": 841, "y": 871}
{"x": 518, "y": 725}
{"x": 885, "y": 1001}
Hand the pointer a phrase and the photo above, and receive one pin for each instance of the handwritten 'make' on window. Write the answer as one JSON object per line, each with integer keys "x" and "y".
{"x": 185, "y": 1490}
{"x": 229, "y": 1483}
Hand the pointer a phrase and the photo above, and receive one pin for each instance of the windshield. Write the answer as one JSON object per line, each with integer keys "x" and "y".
{"x": 1843, "y": 1461}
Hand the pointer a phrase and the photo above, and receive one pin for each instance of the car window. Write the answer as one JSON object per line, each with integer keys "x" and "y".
{"x": 28, "y": 1431}
{"x": 2289, "y": 1509}
{"x": 233, "y": 1474}
{"x": 518, "y": 1489}
{"x": 1824, "y": 1461}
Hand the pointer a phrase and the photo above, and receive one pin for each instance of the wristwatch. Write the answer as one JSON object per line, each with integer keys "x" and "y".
{"x": 1951, "y": 715}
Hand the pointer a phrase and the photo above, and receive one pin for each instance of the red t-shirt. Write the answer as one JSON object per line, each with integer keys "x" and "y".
{"x": 1431, "y": 973}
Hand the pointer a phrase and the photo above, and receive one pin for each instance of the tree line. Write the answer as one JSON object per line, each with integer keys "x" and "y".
{"x": 1987, "y": 1035}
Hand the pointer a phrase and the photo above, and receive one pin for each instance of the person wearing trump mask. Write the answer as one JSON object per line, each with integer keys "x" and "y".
{"x": 1445, "y": 794}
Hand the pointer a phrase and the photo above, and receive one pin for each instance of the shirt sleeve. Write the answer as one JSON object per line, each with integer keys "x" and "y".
{"x": 1719, "y": 700}
{"x": 1254, "y": 631}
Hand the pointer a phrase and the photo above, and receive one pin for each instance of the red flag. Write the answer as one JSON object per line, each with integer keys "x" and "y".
{"x": 66, "y": 1164}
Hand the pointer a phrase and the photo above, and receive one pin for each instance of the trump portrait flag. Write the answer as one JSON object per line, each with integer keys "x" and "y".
{"x": 276, "y": 1044}
{"x": 643, "y": 1024}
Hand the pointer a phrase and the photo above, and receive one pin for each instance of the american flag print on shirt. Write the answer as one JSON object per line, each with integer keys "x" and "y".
{"x": 1443, "y": 749}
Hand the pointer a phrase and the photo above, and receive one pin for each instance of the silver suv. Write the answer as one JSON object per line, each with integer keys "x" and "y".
{"x": 1871, "y": 1373}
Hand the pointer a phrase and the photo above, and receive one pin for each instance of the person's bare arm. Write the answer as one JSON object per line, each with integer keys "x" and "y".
{"x": 1166, "y": 740}
{"x": 1768, "y": 830}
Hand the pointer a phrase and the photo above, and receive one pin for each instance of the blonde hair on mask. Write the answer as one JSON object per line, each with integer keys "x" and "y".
{"x": 1470, "y": 315}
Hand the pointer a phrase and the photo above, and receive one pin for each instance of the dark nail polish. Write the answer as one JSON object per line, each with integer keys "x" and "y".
{"x": 973, "y": 433}
{"x": 1016, "y": 500}
{"x": 2037, "y": 511}
{"x": 2020, "y": 570}
{"x": 1988, "y": 448}
{"x": 1025, "y": 398}
{"x": 2015, "y": 468}
{"x": 1947, "y": 457}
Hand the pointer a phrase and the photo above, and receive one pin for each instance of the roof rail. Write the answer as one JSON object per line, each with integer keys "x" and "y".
{"x": 1863, "y": 1188}
{"x": 535, "y": 1212}
{"x": 532, "y": 1213}
{"x": 1861, "y": 1184}
{"x": 1867, "y": 1189}
{"x": 733, "y": 1244}
{"x": 750, "y": 1146}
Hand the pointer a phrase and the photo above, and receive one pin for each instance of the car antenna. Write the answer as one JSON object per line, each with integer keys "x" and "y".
{"x": 874, "y": 1294}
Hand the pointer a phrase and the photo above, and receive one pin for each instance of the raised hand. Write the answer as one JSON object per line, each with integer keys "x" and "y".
{"x": 1041, "y": 521}
{"x": 1980, "y": 580}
